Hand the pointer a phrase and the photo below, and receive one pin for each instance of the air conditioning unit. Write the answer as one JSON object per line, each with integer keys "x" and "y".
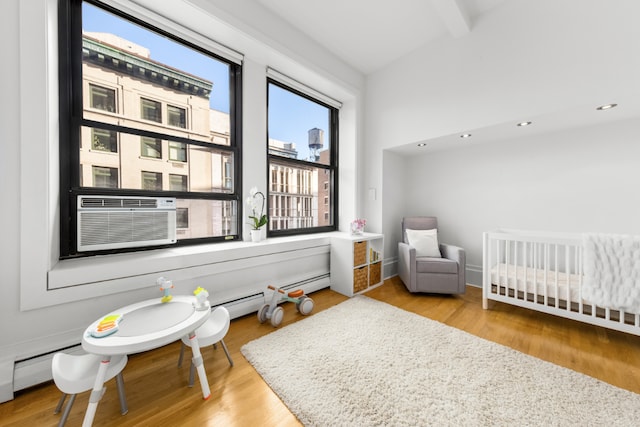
{"x": 112, "y": 222}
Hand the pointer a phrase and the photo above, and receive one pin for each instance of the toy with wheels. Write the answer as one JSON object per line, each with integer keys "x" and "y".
{"x": 272, "y": 311}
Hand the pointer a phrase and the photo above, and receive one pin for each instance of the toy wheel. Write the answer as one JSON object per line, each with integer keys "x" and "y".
{"x": 276, "y": 316}
{"x": 262, "y": 313}
{"x": 305, "y": 305}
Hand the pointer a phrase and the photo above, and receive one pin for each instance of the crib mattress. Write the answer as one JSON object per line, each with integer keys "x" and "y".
{"x": 558, "y": 285}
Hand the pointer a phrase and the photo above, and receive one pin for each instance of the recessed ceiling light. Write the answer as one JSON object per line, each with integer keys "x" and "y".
{"x": 465, "y": 135}
{"x": 524, "y": 123}
{"x": 422, "y": 144}
{"x": 606, "y": 106}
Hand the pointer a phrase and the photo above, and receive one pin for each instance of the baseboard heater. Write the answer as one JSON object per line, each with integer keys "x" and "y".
{"x": 37, "y": 369}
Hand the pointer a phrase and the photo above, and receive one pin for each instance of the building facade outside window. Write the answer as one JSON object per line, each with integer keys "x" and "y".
{"x": 157, "y": 115}
{"x": 303, "y": 162}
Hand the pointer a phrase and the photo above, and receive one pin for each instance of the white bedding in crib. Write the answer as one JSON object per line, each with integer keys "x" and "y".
{"x": 560, "y": 285}
{"x": 612, "y": 271}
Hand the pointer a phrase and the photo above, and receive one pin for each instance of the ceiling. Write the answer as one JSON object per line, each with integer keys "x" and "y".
{"x": 371, "y": 34}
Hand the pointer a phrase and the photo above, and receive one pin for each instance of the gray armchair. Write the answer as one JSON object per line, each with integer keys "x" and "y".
{"x": 445, "y": 275}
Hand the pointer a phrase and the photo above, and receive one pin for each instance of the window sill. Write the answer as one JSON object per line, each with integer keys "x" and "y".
{"x": 123, "y": 272}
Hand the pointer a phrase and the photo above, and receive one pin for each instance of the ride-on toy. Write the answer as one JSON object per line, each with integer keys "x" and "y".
{"x": 272, "y": 311}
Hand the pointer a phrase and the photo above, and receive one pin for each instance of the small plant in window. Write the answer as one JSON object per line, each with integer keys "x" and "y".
{"x": 256, "y": 198}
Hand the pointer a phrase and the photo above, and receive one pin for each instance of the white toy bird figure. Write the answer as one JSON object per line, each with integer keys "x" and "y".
{"x": 165, "y": 286}
{"x": 201, "y": 298}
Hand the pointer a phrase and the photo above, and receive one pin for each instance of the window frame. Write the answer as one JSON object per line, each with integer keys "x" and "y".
{"x": 332, "y": 167}
{"x": 72, "y": 120}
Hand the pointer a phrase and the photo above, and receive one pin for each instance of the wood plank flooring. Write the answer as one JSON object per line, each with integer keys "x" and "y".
{"x": 158, "y": 395}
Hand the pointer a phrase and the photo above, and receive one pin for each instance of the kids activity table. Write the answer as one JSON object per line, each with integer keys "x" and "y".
{"x": 144, "y": 326}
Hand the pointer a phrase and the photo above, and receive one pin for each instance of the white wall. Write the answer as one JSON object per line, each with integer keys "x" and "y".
{"x": 395, "y": 192}
{"x": 524, "y": 59}
{"x": 36, "y": 320}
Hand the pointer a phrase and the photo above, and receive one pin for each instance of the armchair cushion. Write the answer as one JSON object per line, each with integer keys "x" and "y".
{"x": 436, "y": 265}
{"x": 425, "y": 242}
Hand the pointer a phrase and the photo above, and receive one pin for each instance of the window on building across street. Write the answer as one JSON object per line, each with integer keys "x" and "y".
{"x": 151, "y": 110}
{"x": 146, "y": 113}
{"x": 102, "y": 98}
{"x": 182, "y": 218}
{"x": 104, "y": 140}
{"x": 177, "y": 151}
{"x": 177, "y": 182}
{"x": 302, "y": 153}
{"x": 104, "y": 177}
{"x": 151, "y": 147}
{"x": 152, "y": 181}
{"x": 177, "y": 116}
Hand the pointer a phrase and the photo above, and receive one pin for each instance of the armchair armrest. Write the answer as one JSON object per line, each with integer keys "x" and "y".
{"x": 457, "y": 254}
{"x": 406, "y": 259}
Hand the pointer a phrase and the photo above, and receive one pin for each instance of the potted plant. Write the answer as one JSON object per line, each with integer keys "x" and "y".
{"x": 258, "y": 218}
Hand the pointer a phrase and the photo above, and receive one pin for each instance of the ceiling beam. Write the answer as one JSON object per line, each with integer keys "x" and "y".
{"x": 454, "y": 15}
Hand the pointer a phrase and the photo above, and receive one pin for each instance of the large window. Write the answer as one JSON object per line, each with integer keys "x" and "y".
{"x": 145, "y": 113}
{"x": 302, "y": 153}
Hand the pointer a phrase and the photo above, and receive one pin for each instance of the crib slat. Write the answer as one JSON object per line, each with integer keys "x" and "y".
{"x": 555, "y": 267}
{"x": 546, "y": 273}
{"x": 567, "y": 260}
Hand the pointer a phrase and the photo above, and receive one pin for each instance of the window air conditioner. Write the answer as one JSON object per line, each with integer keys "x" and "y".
{"x": 112, "y": 222}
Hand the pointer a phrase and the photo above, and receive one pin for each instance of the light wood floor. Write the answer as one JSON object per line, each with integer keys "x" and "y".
{"x": 158, "y": 395}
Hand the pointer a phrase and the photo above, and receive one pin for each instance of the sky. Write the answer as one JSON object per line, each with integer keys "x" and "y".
{"x": 290, "y": 116}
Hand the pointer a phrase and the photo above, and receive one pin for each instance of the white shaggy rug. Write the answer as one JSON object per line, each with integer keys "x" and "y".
{"x": 367, "y": 363}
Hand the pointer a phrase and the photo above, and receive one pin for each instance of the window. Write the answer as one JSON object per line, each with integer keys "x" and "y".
{"x": 177, "y": 182}
{"x": 102, "y": 98}
{"x": 145, "y": 113}
{"x": 182, "y": 218}
{"x": 104, "y": 177}
{"x": 104, "y": 140}
{"x": 177, "y": 151}
{"x": 152, "y": 181}
{"x": 150, "y": 147}
{"x": 302, "y": 153}
{"x": 151, "y": 110}
{"x": 177, "y": 116}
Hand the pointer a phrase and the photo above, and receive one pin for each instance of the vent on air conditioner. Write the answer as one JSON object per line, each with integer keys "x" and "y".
{"x": 108, "y": 222}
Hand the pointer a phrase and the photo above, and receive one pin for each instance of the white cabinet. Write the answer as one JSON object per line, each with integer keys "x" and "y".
{"x": 356, "y": 262}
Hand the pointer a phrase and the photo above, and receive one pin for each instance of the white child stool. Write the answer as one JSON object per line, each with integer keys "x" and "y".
{"x": 210, "y": 333}
{"x": 75, "y": 374}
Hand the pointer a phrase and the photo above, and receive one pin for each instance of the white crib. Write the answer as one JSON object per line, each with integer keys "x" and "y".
{"x": 544, "y": 272}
